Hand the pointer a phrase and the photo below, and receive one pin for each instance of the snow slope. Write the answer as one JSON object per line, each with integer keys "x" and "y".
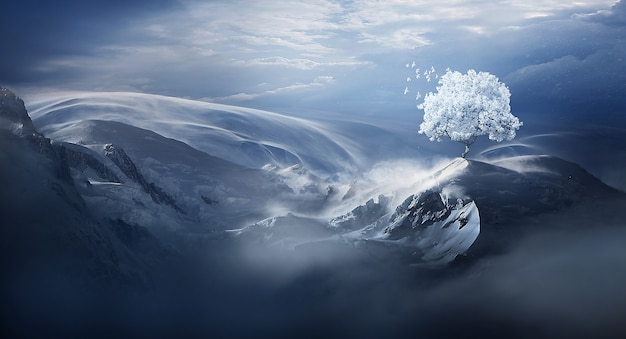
{"x": 182, "y": 166}
{"x": 108, "y": 203}
{"x": 141, "y": 177}
{"x": 432, "y": 226}
{"x": 48, "y": 231}
{"x": 245, "y": 136}
{"x": 594, "y": 147}
{"x": 452, "y": 208}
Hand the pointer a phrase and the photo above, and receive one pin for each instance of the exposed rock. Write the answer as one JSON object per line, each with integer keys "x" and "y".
{"x": 82, "y": 160}
{"x": 421, "y": 211}
{"x": 13, "y": 111}
{"x": 127, "y": 166}
{"x": 362, "y": 215}
{"x": 48, "y": 232}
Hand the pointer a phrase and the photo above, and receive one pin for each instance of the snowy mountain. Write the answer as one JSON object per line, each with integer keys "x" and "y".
{"x": 244, "y": 136}
{"x": 449, "y": 210}
{"x": 125, "y": 172}
{"x": 159, "y": 198}
{"x": 48, "y": 230}
{"x": 169, "y": 186}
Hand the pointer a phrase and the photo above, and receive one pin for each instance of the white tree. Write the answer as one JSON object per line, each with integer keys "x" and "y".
{"x": 467, "y": 106}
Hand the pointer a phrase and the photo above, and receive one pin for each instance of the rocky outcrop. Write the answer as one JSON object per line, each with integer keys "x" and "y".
{"x": 19, "y": 135}
{"x": 362, "y": 215}
{"x": 13, "y": 111}
{"x": 525, "y": 185}
{"x": 82, "y": 160}
{"x": 119, "y": 157}
{"x": 420, "y": 211}
{"x": 47, "y": 230}
{"x": 436, "y": 225}
{"x": 431, "y": 227}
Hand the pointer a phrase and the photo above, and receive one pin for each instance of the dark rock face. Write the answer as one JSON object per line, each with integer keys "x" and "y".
{"x": 22, "y": 142}
{"x": 362, "y": 215}
{"x": 422, "y": 210}
{"x": 82, "y": 160}
{"x": 125, "y": 163}
{"x": 504, "y": 194}
{"x": 444, "y": 221}
{"x": 509, "y": 199}
{"x": 45, "y": 222}
{"x": 46, "y": 229}
{"x": 13, "y": 111}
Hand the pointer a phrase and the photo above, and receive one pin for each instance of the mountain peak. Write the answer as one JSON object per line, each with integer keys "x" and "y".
{"x": 13, "y": 113}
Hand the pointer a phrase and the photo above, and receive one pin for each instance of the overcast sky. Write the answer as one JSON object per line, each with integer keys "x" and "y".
{"x": 303, "y": 56}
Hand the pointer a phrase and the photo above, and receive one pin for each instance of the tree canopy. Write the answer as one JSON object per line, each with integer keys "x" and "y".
{"x": 467, "y": 106}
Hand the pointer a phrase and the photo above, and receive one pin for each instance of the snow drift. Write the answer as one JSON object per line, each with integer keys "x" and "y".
{"x": 245, "y": 136}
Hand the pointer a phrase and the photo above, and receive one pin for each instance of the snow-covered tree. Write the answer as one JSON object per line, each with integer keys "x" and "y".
{"x": 467, "y": 106}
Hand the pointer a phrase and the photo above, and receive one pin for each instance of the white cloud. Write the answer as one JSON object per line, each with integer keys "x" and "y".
{"x": 400, "y": 39}
{"x": 614, "y": 16}
{"x": 316, "y": 27}
{"x": 295, "y": 25}
{"x": 323, "y": 79}
{"x": 319, "y": 82}
{"x": 297, "y": 63}
{"x": 222, "y": 48}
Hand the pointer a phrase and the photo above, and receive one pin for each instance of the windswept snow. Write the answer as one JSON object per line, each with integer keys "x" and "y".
{"x": 197, "y": 168}
{"x": 432, "y": 226}
{"x": 245, "y": 136}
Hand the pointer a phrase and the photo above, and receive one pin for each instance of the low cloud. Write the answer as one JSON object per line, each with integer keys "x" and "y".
{"x": 560, "y": 280}
{"x": 616, "y": 16}
{"x": 560, "y": 277}
{"x": 318, "y": 83}
{"x": 297, "y": 63}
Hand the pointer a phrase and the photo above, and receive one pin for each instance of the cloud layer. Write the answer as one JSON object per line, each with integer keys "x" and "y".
{"x": 235, "y": 51}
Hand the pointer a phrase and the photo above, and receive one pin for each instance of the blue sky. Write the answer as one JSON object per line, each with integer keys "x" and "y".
{"x": 299, "y": 56}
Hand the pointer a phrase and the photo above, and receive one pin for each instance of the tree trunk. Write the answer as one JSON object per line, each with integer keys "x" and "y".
{"x": 467, "y": 145}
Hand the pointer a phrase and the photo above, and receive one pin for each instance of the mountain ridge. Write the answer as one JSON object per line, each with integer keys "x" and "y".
{"x": 86, "y": 225}
{"x": 211, "y": 194}
{"x": 46, "y": 221}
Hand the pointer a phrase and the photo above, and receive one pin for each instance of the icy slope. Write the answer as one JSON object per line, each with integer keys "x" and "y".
{"x": 141, "y": 177}
{"x": 48, "y": 231}
{"x": 164, "y": 183}
{"x": 245, "y": 136}
{"x": 432, "y": 226}
{"x": 581, "y": 144}
{"x": 524, "y": 185}
{"x": 446, "y": 213}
